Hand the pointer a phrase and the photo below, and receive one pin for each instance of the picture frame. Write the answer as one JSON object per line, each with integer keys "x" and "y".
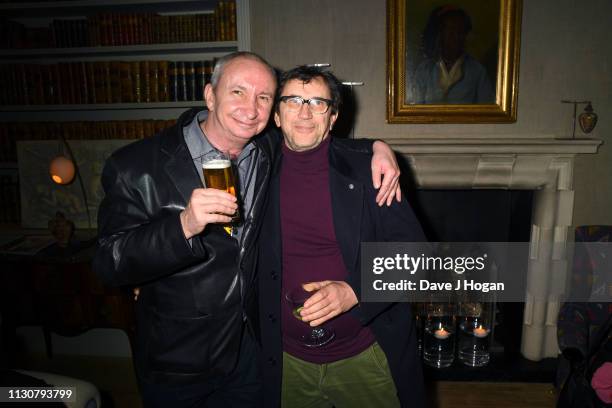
{"x": 41, "y": 198}
{"x": 452, "y": 63}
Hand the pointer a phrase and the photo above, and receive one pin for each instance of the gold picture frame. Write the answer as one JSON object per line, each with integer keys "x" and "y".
{"x": 431, "y": 99}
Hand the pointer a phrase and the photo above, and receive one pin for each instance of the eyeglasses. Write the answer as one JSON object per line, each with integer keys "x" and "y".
{"x": 316, "y": 105}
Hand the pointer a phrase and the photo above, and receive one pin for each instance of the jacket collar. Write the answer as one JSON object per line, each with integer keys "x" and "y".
{"x": 347, "y": 198}
{"x": 184, "y": 177}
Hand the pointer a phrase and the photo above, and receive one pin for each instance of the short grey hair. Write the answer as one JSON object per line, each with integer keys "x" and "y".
{"x": 223, "y": 61}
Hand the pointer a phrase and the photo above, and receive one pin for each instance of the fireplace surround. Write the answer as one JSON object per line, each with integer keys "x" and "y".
{"x": 544, "y": 165}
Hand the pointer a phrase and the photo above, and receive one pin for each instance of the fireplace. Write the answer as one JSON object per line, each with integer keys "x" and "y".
{"x": 544, "y": 166}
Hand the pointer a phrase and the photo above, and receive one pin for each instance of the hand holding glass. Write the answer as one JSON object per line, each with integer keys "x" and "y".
{"x": 217, "y": 170}
{"x": 317, "y": 336}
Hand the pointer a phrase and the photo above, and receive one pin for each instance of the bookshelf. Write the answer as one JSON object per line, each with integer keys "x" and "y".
{"x": 98, "y": 64}
{"x": 102, "y": 106}
{"x": 215, "y": 47}
{"x": 100, "y": 16}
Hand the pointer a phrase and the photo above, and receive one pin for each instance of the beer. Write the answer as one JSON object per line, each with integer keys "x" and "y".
{"x": 218, "y": 174}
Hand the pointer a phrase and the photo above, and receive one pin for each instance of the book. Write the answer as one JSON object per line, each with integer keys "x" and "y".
{"x": 145, "y": 81}
{"x": 153, "y": 81}
{"x": 108, "y": 85}
{"x": 181, "y": 80}
{"x": 125, "y": 81}
{"x": 115, "y": 82}
{"x": 190, "y": 81}
{"x": 136, "y": 81}
{"x": 233, "y": 34}
{"x": 200, "y": 81}
{"x": 162, "y": 67}
{"x": 172, "y": 82}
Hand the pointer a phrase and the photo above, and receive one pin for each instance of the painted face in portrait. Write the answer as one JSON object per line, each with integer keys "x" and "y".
{"x": 452, "y": 37}
{"x": 302, "y": 128}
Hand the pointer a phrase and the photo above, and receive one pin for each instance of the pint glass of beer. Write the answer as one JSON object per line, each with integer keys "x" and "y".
{"x": 217, "y": 169}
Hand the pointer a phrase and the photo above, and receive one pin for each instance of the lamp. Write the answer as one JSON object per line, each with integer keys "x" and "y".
{"x": 587, "y": 119}
{"x": 63, "y": 168}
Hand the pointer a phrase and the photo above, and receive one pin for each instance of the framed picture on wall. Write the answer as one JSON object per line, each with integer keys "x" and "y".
{"x": 41, "y": 198}
{"x": 452, "y": 63}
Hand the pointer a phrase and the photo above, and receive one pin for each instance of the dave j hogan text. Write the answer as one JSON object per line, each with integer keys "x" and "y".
{"x": 425, "y": 285}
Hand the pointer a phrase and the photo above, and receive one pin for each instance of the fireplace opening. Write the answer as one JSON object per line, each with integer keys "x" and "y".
{"x": 483, "y": 216}
{"x": 474, "y": 215}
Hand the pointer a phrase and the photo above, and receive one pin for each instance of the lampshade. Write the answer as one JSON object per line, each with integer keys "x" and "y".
{"x": 61, "y": 170}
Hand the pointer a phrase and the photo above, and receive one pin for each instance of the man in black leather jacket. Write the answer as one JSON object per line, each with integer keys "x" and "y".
{"x": 160, "y": 230}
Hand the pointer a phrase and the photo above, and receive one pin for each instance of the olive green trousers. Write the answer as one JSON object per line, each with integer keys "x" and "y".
{"x": 363, "y": 380}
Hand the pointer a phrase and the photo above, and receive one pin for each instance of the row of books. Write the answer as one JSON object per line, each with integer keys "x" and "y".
{"x": 11, "y": 132}
{"x": 118, "y": 29}
{"x": 104, "y": 82}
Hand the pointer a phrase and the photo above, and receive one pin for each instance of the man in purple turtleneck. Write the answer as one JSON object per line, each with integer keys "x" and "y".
{"x": 321, "y": 208}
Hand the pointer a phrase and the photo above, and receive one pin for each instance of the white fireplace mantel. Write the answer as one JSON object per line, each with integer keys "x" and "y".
{"x": 494, "y": 145}
{"x": 544, "y": 165}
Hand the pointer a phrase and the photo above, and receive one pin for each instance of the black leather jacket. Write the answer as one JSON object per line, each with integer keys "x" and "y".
{"x": 193, "y": 297}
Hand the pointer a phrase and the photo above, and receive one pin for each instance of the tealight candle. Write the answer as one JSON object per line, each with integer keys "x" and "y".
{"x": 481, "y": 332}
{"x": 441, "y": 334}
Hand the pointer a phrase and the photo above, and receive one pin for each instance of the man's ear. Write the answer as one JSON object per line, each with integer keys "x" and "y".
{"x": 277, "y": 119}
{"x": 332, "y": 120}
{"x": 209, "y": 97}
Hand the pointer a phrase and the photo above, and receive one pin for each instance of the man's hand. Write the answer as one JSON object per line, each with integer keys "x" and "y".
{"x": 136, "y": 291}
{"x": 385, "y": 164}
{"x": 207, "y": 206}
{"x": 331, "y": 299}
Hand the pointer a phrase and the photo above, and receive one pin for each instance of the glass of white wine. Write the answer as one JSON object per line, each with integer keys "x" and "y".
{"x": 316, "y": 336}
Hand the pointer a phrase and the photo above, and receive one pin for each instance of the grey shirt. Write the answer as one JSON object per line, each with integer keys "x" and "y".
{"x": 246, "y": 163}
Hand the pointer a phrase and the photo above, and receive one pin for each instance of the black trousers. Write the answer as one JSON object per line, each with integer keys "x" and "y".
{"x": 240, "y": 389}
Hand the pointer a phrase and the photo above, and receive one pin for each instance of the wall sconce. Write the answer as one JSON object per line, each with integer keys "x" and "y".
{"x": 587, "y": 119}
{"x": 63, "y": 168}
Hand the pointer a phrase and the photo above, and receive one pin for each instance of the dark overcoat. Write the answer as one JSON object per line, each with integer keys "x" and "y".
{"x": 357, "y": 219}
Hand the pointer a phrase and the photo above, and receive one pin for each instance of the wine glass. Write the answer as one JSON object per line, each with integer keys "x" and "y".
{"x": 317, "y": 336}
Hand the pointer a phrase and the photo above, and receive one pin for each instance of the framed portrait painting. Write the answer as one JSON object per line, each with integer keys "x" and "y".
{"x": 452, "y": 62}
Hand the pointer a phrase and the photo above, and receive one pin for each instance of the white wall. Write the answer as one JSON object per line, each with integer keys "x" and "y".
{"x": 565, "y": 54}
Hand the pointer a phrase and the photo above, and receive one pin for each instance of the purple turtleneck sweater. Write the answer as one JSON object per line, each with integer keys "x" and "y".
{"x": 311, "y": 253}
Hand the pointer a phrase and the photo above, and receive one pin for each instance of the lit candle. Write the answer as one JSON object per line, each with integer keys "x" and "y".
{"x": 441, "y": 334}
{"x": 481, "y": 332}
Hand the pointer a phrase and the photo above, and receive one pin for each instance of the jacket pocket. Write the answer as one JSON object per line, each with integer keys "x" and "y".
{"x": 178, "y": 344}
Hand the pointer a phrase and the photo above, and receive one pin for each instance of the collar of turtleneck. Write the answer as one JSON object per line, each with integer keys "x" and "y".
{"x": 307, "y": 161}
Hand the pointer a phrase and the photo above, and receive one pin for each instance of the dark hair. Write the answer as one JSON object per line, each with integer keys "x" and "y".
{"x": 223, "y": 61}
{"x": 434, "y": 25}
{"x": 305, "y": 74}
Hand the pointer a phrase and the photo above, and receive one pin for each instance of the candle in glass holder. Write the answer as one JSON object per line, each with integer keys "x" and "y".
{"x": 481, "y": 332}
{"x": 441, "y": 334}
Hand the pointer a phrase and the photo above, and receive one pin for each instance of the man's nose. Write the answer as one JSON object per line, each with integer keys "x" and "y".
{"x": 250, "y": 108}
{"x": 304, "y": 111}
